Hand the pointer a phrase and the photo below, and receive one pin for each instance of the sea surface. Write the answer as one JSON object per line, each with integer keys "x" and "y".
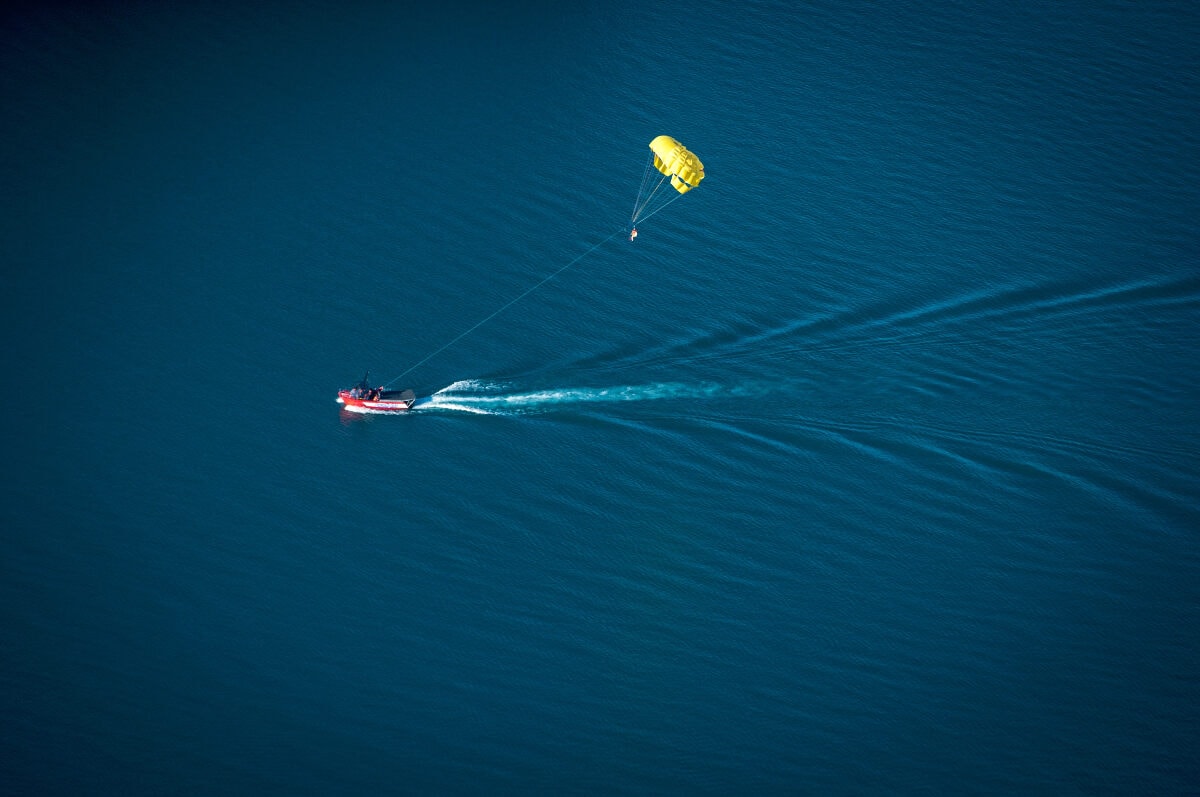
{"x": 871, "y": 467}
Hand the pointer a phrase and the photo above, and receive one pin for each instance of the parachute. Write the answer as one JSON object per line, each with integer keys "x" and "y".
{"x": 672, "y": 160}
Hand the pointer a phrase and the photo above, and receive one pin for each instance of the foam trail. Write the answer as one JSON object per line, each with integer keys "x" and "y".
{"x": 492, "y": 398}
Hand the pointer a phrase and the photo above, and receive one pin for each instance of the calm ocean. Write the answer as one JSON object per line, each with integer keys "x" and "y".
{"x": 871, "y": 467}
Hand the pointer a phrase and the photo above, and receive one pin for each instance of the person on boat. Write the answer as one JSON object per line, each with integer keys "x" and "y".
{"x": 633, "y": 234}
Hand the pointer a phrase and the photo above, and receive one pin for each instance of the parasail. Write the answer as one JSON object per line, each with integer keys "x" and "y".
{"x": 672, "y": 160}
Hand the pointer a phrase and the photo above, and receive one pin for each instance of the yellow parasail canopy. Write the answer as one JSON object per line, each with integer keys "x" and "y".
{"x": 673, "y": 159}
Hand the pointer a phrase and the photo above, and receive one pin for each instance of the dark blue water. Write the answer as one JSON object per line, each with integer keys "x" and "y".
{"x": 871, "y": 467}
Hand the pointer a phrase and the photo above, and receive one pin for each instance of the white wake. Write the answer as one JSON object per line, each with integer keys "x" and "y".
{"x": 492, "y": 398}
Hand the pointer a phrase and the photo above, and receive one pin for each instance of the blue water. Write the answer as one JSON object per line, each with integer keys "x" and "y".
{"x": 871, "y": 467}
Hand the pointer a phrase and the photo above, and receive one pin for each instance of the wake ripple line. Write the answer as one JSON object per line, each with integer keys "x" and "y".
{"x": 492, "y": 398}
{"x": 893, "y": 324}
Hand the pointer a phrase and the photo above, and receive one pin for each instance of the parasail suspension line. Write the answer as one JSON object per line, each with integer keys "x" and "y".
{"x": 641, "y": 188}
{"x": 646, "y": 203}
{"x": 660, "y": 207}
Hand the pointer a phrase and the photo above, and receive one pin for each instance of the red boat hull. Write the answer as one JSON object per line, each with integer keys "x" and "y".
{"x": 384, "y": 403}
